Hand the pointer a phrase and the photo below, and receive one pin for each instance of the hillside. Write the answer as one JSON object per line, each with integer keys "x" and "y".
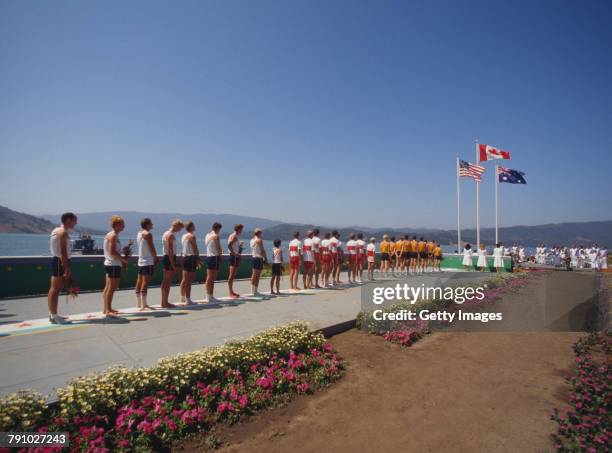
{"x": 18, "y": 222}
{"x": 549, "y": 234}
{"x": 99, "y": 220}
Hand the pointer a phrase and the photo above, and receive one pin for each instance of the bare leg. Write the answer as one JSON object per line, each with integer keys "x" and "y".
{"x": 54, "y": 290}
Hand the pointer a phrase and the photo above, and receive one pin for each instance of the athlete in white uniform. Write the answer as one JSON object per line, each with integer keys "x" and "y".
{"x": 333, "y": 249}
{"x": 351, "y": 247}
{"x": 316, "y": 248}
{"x": 113, "y": 263}
{"x": 234, "y": 245}
{"x": 295, "y": 252}
{"x": 61, "y": 274}
{"x": 191, "y": 261}
{"x": 361, "y": 255}
{"x": 371, "y": 255}
{"x": 169, "y": 261}
{"x": 213, "y": 260}
{"x": 309, "y": 260}
{"x": 258, "y": 254}
{"x": 326, "y": 266}
{"x": 147, "y": 259}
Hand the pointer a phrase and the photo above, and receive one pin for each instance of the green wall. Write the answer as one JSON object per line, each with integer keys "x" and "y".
{"x": 29, "y": 276}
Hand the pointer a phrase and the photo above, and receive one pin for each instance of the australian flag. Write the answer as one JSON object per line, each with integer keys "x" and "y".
{"x": 510, "y": 176}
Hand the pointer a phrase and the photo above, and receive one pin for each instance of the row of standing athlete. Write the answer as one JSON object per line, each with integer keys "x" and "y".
{"x": 409, "y": 255}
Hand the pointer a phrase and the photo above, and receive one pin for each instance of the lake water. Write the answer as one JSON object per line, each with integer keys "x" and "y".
{"x": 17, "y": 244}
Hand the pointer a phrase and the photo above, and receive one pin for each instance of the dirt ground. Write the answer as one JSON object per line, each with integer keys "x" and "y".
{"x": 452, "y": 391}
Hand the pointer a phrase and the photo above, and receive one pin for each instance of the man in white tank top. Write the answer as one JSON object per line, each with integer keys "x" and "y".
{"x": 169, "y": 261}
{"x": 191, "y": 262}
{"x": 258, "y": 254}
{"x": 147, "y": 259}
{"x": 61, "y": 274}
{"x": 234, "y": 245}
{"x": 213, "y": 260}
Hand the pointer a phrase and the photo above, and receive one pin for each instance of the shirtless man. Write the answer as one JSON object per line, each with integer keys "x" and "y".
{"x": 59, "y": 244}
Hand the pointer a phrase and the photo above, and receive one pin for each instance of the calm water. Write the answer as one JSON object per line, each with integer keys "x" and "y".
{"x": 16, "y": 244}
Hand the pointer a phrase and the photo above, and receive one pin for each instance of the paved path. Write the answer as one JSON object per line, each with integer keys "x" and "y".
{"x": 40, "y": 356}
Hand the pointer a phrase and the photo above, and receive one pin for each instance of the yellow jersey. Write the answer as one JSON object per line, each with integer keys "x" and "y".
{"x": 438, "y": 251}
{"x": 421, "y": 246}
{"x": 391, "y": 247}
{"x": 384, "y": 247}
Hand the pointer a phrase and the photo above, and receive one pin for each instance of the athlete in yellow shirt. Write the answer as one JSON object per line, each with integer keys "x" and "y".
{"x": 437, "y": 256}
{"x": 384, "y": 254}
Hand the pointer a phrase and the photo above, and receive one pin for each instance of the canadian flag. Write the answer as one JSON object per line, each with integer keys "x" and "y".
{"x": 488, "y": 152}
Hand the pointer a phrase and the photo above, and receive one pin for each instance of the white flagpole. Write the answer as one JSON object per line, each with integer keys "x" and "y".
{"x": 477, "y": 202}
{"x": 458, "y": 211}
{"x": 496, "y": 205}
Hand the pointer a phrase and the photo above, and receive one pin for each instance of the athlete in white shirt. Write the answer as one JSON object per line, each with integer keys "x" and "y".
{"x": 61, "y": 274}
{"x": 351, "y": 246}
{"x": 147, "y": 259}
{"x": 361, "y": 255}
{"x": 169, "y": 261}
{"x": 371, "y": 255}
{"x": 234, "y": 245}
{"x": 277, "y": 267}
{"x": 191, "y": 262}
{"x": 316, "y": 248}
{"x": 309, "y": 260}
{"x": 213, "y": 260}
{"x": 258, "y": 253}
{"x": 333, "y": 250}
{"x": 295, "y": 251}
{"x": 326, "y": 266}
{"x": 113, "y": 263}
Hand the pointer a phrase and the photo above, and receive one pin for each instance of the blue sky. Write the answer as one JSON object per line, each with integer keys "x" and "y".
{"x": 339, "y": 113}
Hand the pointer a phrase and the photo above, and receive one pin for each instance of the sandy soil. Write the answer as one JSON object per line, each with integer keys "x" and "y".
{"x": 452, "y": 391}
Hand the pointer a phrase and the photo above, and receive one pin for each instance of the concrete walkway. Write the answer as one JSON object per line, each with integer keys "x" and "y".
{"x": 39, "y": 356}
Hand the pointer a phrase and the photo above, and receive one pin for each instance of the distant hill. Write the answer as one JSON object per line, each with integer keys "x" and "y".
{"x": 599, "y": 232}
{"x": 18, "y": 222}
{"x": 99, "y": 220}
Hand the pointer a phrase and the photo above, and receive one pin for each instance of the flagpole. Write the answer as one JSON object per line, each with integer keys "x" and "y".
{"x": 458, "y": 211}
{"x": 496, "y": 205}
{"x": 477, "y": 201}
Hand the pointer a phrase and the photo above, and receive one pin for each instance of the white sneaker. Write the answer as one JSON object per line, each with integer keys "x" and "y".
{"x": 56, "y": 319}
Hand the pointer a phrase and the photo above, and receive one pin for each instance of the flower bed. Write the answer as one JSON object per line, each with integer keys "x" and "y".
{"x": 587, "y": 425}
{"x": 147, "y": 408}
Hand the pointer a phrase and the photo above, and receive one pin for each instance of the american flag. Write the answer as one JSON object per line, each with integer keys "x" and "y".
{"x": 470, "y": 170}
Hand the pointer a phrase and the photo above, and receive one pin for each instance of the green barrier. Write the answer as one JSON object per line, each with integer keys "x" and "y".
{"x": 30, "y": 276}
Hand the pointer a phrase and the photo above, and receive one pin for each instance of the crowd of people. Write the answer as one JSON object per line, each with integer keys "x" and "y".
{"x": 574, "y": 257}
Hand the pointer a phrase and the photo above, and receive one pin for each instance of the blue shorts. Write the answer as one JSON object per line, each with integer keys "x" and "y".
{"x": 146, "y": 270}
{"x": 234, "y": 260}
{"x": 213, "y": 262}
{"x": 57, "y": 270}
{"x": 258, "y": 263}
{"x": 190, "y": 263}
{"x": 113, "y": 271}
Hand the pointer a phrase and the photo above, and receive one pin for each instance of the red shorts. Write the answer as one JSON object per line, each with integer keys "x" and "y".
{"x": 308, "y": 265}
{"x": 317, "y": 256}
{"x": 352, "y": 258}
{"x": 326, "y": 258}
{"x": 361, "y": 259}
{"x": 294, "y": 263}
{"x": 339, "y": 258}
{"x": 334, "y": 257}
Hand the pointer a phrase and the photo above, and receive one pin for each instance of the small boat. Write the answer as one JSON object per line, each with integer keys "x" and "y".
{"x": 86, "y": 245}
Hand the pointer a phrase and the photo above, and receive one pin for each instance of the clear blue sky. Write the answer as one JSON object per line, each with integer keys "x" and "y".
{"x": 334, "y": 112}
